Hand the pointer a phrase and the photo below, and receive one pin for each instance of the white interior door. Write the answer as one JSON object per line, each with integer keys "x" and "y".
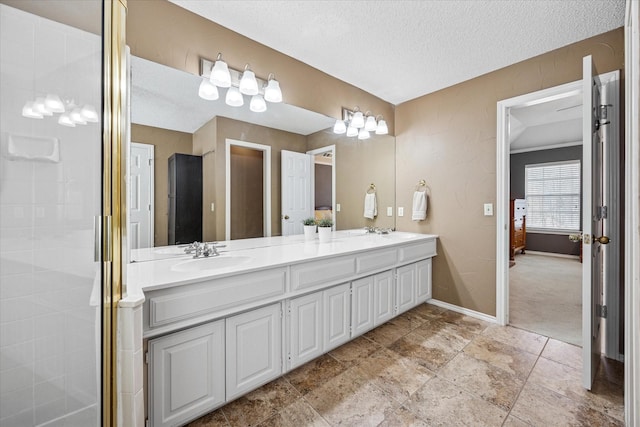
{"x": 593, "y": 265}
{"x": 296, "y": 191}
{"x": 141, "y": 196}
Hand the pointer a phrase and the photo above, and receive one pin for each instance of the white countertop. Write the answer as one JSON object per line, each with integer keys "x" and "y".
{"x": 155, "y": 268}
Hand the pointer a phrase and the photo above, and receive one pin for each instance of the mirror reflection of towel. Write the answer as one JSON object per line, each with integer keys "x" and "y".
{"x": 419, "y": 206}
{"x": 370, "y": 206}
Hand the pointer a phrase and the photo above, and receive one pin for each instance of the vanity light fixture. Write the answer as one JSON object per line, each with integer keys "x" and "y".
{"x": 66, "y": 120}
{"x": 234, "y": 97}
{"x": 248, "y": 83}
{"x": 220, "y": 75}
{"x": 71, "y": 114}
{"x": 355, "y": 123}
{"x": 89, "y": 113}
{"x": 272, "y": 92}
{"x": 257, "y": 104}
{"x": 239, "y": 83}
{"x": 54, "y": 103}
{"x": 208, "y": 90}
{"x": 364, "y": 134}
{"x": 29, "y": 111}
{"x": 340, "y": 127}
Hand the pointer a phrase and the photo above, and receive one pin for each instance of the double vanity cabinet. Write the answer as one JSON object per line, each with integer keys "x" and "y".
{"x": 214, "y": 337}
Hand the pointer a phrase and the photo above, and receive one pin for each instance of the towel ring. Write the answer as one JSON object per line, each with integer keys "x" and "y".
{"x": 421, "y": 184}
{"x": 371, "y": 189}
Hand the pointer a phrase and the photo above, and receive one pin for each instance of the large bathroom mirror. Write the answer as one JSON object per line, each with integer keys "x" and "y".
{"x": 172, "y": 127}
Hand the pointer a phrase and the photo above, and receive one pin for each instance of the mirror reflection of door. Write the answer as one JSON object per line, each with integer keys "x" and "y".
{"x": 323, "y": 176}
{"x": 246, "y": 193}
{"x": 248, "y": 190}
{"x": 141, "y": 192}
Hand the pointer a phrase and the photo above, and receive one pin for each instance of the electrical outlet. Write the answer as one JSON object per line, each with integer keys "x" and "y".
{"x": 488, "y": 209}
{"x": 400, "y": 211}
{"x": 389, "y": 211}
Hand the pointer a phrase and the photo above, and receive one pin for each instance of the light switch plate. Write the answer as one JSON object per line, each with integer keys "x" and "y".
{"x": 337, "y": 207}
{"x": 212, "y": 206}
{"x": 389, "y": 211}
{"x": 488, "y": 209}
{"x": 400, "y": 211}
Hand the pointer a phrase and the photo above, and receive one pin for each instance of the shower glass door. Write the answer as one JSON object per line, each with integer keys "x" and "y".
{"x": 50, "y": 191}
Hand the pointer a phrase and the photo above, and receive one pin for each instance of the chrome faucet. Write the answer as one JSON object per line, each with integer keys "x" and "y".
{"x": 202, "y": 249}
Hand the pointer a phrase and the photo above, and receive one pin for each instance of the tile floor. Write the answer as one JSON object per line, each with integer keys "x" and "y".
{"x": 434, "y": 367}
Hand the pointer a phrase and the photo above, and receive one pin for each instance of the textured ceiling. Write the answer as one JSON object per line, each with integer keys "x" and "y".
{"x": 400, "y": 50}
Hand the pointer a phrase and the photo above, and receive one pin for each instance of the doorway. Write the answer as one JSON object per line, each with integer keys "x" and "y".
{"x": 324, "y": 183}
{"x": 247, "y": 190}
{"x": 506, "y": 126}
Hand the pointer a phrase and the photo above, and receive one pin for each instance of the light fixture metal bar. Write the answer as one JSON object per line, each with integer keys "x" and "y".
{"x": 205, "y": 71}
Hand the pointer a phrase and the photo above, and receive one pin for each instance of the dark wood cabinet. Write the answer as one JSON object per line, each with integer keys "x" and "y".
{"x": 517, "y": 227}
{"x": 185, "y": 199}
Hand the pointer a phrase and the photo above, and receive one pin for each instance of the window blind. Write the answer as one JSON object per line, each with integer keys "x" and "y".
{"x": 552, "y": 192}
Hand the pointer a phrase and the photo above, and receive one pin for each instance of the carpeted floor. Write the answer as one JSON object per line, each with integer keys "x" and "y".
{"x": 545, "y": 296}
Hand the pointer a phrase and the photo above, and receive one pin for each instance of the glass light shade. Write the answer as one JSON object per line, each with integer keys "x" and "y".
{"x": 234, "y": 97}
{"x": 28, "y": 111}
{"x": 76, "y": 116}
{"x": 357, "y": 121}
{"x": 248, "y": 83}
{"x": 370, "y": 124}
{"x": 272, "y": 92}
{"x": 382, "y": 128}
{"x": 54, "y": 103}
{"x": 364, "y": 134}
{"x": 340, "y": 127}
{"x": 208, "y": 90}
{"x": 65, "y": 120}
{"x": 39, "y": 107}
{"x": 89, "y": 113}
{"x": 257, "y": 104}
{"x": 220, "y": 75}
{"x": 351, "y": 131}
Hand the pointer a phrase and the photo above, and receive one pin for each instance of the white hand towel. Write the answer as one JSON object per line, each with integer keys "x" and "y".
{"x": 370, "y": 206}
{"x": 419, "y": 206}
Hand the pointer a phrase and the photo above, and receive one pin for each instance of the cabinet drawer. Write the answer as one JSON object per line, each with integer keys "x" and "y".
{"x": 417, "y": 251}
{"x": 327, "y": 271}
{"x": 207, "y": 297}
{"x": 376, "y": 261}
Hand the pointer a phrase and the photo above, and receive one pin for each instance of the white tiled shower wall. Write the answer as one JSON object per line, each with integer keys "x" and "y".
{"x": 47, "y": 325}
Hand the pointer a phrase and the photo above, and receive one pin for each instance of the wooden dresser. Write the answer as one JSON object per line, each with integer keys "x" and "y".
{"x": 517, "y": 227}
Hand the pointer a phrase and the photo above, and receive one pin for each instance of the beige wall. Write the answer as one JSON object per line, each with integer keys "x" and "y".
{"x": 165, "y": 33}
{"x": 360, "y": 163}
{"x": 448, "y": 138}
{"x": 166, "y": 143}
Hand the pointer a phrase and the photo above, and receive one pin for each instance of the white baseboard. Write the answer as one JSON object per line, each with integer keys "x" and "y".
{"x": 462, "y": 310}
{"x": 552, "y": 254}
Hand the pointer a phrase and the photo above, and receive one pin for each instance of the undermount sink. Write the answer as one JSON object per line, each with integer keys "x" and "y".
{"x": 211, "y": 263}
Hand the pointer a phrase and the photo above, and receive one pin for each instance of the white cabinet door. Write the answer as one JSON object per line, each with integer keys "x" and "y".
{"x": 423, "y": 271}
{"x": 337, "y": 308}
{"x": 305, "y": 329}
{"x": 254, "y": 349}
{"x": 186, "y": 374}
{"x": 383, "y": 291}
{"x": 406, "y": 295}
{"x": 362, "y": 306}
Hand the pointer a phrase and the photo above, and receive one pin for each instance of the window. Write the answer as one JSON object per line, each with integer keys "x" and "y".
{"x": 553, "y": 196}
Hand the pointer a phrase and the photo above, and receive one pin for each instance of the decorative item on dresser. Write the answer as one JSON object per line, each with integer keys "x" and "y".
{"x": 517, "y": 227}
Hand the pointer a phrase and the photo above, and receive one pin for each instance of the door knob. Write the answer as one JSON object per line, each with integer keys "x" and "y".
{"x": 285, "y": 217}
{"x": 603, "y": 240}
